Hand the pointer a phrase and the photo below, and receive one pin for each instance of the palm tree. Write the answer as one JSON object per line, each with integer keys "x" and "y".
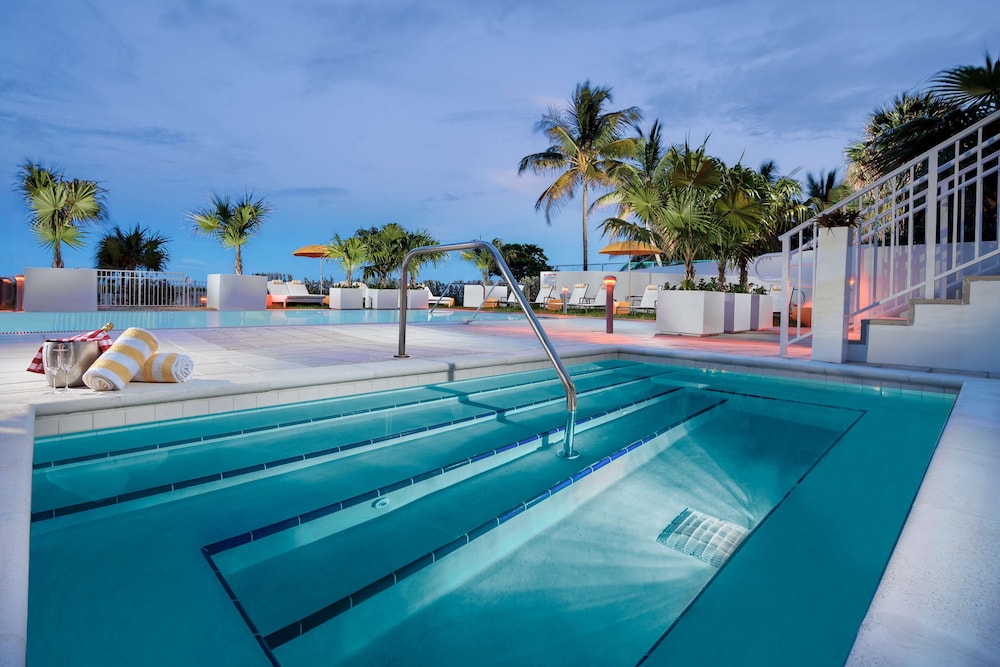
{"x": 586, "y": 143}
{"x": 484, "y": 260}
{"x": 350, "y": 252}
{"x": 418, "y": 239}
{"x": 678, "y": 204}
{"x": 59, "y": 207}
{"x": 129, "y": 251}
{"x": 739, "y": 218}
{"x": 385, "y": 249}
{"x": 825, "y": 190}
{"x": 233, "y": 223}
{"x": 973, "y": 89}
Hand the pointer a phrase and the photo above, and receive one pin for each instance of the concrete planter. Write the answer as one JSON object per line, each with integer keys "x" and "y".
{"x": 346, "y": 298}
{"x": 738, "y": 312}
{"x": 418, "y": 299}
{"x": 49, "y": 290}
{"x": 383, "y": 299}
{"x": 761, "y": 313}
{"x": 231, "y": 292}
{"x": 690, "y": 312}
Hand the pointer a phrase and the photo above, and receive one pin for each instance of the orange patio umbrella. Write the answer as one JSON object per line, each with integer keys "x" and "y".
{"x": 631, "y": 249}
{"x": 313, "y": 251}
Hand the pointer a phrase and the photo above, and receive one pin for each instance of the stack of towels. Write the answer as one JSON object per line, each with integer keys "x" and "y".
{"x": 134, "y": 357}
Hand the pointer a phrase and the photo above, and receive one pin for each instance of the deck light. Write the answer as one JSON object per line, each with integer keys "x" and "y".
{"x": 609, "y": 291}
{"x": 565, "y": 299}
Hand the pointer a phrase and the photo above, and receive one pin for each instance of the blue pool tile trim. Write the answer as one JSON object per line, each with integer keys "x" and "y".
{"x": 268, "y": 465}
{"x": 288, "y": 632}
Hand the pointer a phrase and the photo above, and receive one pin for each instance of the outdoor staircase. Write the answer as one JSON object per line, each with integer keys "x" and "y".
{"x": 959, "y": 334}
{"x": 928, "y": 235}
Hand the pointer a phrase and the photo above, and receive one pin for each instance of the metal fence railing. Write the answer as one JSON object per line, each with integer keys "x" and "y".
{"x": 921, "y": 230}
{"x": 120, "y": 289}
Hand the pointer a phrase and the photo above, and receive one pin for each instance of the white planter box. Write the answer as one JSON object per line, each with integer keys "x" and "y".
{"x": 691, "y": 312}
{"x": 48, "y": 290}
{"x": 346, "y": 298}
{"x": 384, "y": 299}
{"x": 417, "y": 299}
{"x": 761, "y": 315}
{"x": 738, "y": 311}
{"x": 227, "y": 291}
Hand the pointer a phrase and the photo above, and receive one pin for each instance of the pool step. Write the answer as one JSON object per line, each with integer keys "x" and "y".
{"x": 414, "y": 537}
{"x": 192, "y": 468}
{"x": 92, "y": 445}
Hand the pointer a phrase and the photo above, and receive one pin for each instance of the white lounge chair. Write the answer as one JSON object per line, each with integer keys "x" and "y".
{"x": 579, "y": 295}
{"x": 544, "y": 294}
{"x": 440, "y": 301}
{"x": 648, "y": 301}
{"x": 293, "y": 292}
{"x": 511, "y": 300}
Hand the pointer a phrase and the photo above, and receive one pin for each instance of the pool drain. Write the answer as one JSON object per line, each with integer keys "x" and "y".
{"x": 705, "y": 537}
{"x": 380, "y": 503}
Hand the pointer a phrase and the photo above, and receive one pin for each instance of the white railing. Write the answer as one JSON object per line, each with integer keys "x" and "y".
{"x": 147, "y": 289}
{"x": 908, "y": 245}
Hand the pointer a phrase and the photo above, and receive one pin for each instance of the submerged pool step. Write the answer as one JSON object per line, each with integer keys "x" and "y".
{"x": 92, "y": 445}
{"x": 402, "y": 543}
{"x": 93, "y": 484}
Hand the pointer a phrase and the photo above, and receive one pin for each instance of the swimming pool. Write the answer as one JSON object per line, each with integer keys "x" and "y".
{"x": 200, "y": 319}
{"x": 183, "y": 547}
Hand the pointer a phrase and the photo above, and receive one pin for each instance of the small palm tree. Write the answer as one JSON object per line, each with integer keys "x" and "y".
{"x": 129, "y": 251}
{"x": 586, "y": 144}
{"x": 825, "y": 190}
{"x": 419, "y": 239}
{"x": 59, "y": 207}
{"x": 385, "y": 249}
{"x": 233, "y": 223}
{"x": 350, "y": 252}
{"x": 484, "y": 260}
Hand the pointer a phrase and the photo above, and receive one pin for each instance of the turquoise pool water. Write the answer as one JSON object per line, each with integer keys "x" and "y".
{"x": 434, "y": 524}
{"x": 200, "y": 319}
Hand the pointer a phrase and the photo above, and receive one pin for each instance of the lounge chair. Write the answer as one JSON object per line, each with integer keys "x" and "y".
{"x": 511, "y": 300}
{"x": 441, "y": 301}
{"x": 579, "y": 296}
{"x": 648, "y": 301}
{"x": 597, "y": 301}
{"x": 544, "y": 294}
{"x": 293, "y": 292}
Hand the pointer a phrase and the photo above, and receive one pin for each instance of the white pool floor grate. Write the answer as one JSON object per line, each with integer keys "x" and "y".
{"x": 705, "y": 537}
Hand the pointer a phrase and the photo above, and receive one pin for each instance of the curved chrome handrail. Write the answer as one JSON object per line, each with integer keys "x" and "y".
{"x": 567, "y": 450}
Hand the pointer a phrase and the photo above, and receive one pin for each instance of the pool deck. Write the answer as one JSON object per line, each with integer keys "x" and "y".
{"x": 940, "y": 594}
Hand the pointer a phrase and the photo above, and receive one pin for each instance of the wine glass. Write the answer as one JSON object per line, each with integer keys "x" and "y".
{"x": 65, "y": 357}
{"x": 51, "y": 364}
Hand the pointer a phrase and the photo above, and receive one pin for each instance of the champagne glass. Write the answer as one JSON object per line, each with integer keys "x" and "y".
{"x": 51, "y": 363}
{"x": 66, "y": 358}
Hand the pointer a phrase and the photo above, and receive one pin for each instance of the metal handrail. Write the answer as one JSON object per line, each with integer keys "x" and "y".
{"x": 567, "y": 450}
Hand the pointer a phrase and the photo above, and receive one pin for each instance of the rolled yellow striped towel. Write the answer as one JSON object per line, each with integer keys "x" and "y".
{"x": 166, "y": 367}
{"x": 121, "y": 361}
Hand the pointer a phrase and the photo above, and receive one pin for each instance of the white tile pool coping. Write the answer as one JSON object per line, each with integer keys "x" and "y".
{"x": 937, "y": 602}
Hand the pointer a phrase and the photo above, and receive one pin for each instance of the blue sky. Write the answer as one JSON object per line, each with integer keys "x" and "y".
{"x": 353, "y": 114}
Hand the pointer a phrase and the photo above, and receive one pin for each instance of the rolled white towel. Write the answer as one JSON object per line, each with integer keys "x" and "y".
{"x": 166, "y": 367}
{"x": 121, "y": 361}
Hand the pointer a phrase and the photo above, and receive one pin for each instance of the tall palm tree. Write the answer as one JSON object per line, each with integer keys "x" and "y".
{"x": 350, "y": 252}
{"x": 59, "y": 207}
{"x": 232, "y": 222}
{"x": 739, "y": 205}
{"x": 136, "y": 249}
{"x": 586, "y": 143}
